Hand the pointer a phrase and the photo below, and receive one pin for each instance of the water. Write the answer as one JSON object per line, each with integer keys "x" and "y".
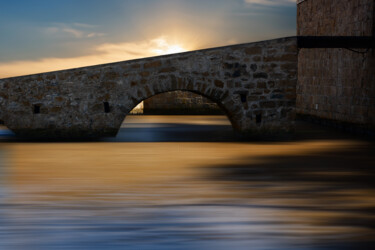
{"x": 169, "y": 182}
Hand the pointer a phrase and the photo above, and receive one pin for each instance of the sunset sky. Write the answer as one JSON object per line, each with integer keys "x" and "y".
{"x": 44, "y": 35}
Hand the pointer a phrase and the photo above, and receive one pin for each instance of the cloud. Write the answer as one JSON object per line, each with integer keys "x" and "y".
{"x": 270, "y": 2}
{"x": 95, "y": 34}
{"x": 76, "y": 30}
{"x": 104, "y": 53}
{"x": 85, "y": 25}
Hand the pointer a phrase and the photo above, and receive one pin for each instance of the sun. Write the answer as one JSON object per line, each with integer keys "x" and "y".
{"x": 174, "y": 49}
{"x": 162, "y": 47}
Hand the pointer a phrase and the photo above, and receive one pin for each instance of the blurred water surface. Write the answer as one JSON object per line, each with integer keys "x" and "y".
{"x": 171, "y": 182}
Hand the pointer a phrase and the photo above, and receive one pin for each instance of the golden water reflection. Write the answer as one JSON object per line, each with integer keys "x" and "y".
{"x": 303, "y": 194}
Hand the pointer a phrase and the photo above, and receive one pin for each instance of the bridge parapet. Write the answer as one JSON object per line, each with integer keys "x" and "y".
{"x": 255, "y": 84}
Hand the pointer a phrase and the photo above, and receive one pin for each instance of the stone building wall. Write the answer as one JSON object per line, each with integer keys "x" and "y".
{"x": 337, "y": 85}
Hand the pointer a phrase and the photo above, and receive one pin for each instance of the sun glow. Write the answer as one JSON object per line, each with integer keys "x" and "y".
{"x": 103, "y": 53}
{"x": 163, "y": 47}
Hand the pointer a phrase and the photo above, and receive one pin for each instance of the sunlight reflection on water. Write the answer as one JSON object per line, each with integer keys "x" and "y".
{"x": 302, "y": 194}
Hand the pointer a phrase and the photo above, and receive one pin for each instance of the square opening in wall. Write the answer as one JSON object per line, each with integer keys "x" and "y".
{"x": 106, "y": 107}
{"x": 243, "y": 98}
{"x": 259, "y": 118}
{"x": 37, "y": 109}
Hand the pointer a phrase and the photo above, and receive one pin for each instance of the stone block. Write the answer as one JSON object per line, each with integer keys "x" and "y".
{"x": 168, "y": 70}
{"x": 219, "y": 84}
{"x": 262, "y": 75}
{"x": 261, "y": 85}
{"x": 144, "y": 74}
{"x": 267, "y": 104}
{"x": 253, "y": 50}
{"x": 153, "y": 64}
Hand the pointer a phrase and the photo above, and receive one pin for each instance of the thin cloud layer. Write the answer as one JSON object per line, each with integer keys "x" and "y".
{"x": 76, "y": 30}
{"x": 104, "y": 53}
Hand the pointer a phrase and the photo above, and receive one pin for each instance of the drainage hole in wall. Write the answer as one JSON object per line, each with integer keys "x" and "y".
{"x": 106, "y": 107}
{"x": 243, "y": 98}
{"x": 259, "y": 119}
{"x": 36, "y": 109}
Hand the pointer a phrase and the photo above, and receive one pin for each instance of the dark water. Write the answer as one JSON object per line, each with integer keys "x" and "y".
{"x": 172, "y": 182}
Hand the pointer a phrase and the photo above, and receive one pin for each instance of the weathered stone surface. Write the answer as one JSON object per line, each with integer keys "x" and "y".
{"x": 261, "y": 75}
{"x": 336, "y": 84}
{"x": 267, "y": 104}
{"x": 219, "y": 84}
{"x": 93, "y": 101}
{"x": 262, "y": 85}
{"x": 253, "y": 50}
{"x": 168, "y": 70}
{"x": 145, "y": 74}
{"x": 111, "y": 75}
{"x": 154, "y": 64}
{"x": 290, "y": 57}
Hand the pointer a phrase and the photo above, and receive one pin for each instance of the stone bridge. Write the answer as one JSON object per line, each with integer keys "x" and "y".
{"x": 255, "y": 84}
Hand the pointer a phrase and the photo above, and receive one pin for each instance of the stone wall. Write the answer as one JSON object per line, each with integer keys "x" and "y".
{"x": 335, "y": 18}
{"x": 337, "y": 85}
{"x": 254, "y": 84}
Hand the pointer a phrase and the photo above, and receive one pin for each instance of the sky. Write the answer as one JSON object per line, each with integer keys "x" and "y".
{"x": 46, "y": 35}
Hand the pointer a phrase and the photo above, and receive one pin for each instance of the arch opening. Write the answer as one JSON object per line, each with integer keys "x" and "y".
{"x": 5, "y": 132}
{"x": 181, "y": 115}
{"x": 218, "y": 106}
{"x": 178, "y": 102}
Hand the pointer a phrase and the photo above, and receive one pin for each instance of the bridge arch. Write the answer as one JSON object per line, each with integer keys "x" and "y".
{"x": 221, "y": 97}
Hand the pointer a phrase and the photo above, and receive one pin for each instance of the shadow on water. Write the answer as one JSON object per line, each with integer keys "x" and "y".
{"x": 187, "y": 132}
{"x": 156, "y": 133}
{"x": 139, "y": 130}
{"x": 172, "y": 132}
{"x": 336, "y": 189}
{"x": 155, "y": 129}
